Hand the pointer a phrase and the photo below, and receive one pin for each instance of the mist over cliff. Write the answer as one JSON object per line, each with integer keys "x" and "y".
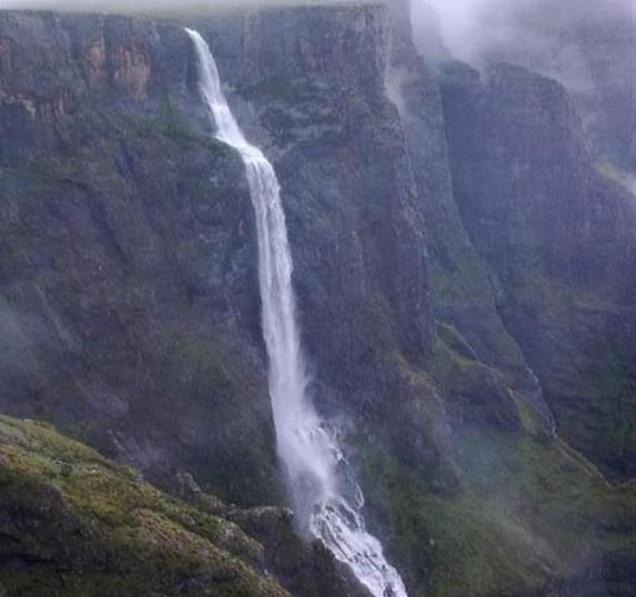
{"x": 453, "y": 240}
{"x": 588, "y": 46}
{"x": 120, "y": 6}
{"x": 472, "y": 28}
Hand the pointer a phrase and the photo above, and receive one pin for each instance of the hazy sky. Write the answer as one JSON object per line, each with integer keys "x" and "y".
{"x": 467, "y": 25}
{"x": 470, "y": 25}
{"x": 137, "y": 5}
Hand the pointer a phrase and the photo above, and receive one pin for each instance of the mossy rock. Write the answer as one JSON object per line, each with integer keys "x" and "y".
{"x": 530, "y": 517}
{"x": 72, "y": 523}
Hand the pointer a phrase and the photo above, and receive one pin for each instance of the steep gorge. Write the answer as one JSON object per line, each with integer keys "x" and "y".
{"x": 129, "y": 289}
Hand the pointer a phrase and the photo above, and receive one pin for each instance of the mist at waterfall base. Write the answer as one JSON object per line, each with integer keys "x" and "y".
{"x": 326, "y": 499}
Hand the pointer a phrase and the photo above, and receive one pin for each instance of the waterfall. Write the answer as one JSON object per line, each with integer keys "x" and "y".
{"x": 326, "y": 499}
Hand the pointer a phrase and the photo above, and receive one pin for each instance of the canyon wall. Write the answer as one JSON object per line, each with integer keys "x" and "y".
{"x": 464, "y": 275}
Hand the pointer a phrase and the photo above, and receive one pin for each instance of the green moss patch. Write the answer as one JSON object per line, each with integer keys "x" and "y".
{"x": 73, "y": 523}
{"x": 528, "y": 515}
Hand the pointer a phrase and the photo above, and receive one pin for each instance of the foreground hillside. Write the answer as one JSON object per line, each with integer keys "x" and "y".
{"x": 73, "y": 523}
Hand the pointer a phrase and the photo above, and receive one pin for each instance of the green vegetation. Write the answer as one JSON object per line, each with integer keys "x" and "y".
{"x": 585, "y": 366}
{"x": 74, "y": 524}
{"x": 527, "y": 516}
{"x": 143, "y": 216}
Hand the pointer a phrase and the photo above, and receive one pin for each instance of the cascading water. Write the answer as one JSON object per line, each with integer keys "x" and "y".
{"x": 326, "y": 499}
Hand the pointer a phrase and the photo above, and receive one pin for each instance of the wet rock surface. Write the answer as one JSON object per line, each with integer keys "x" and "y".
{"x": 462, "y": 267}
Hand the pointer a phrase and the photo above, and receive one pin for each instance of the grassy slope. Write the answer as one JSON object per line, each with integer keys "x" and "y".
{"x": 529, "y": 515}
{"x": 579, "y": 350}
{"x": 73, "y": 523}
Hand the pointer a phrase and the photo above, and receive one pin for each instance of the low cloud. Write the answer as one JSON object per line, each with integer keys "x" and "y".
{"x": 123, "y": 6}
{"x": 473, "y": 29}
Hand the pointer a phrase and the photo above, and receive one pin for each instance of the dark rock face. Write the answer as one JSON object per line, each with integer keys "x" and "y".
{"x": 356, "y": 227}
{"x": 590, "y": 48}
{"x": 129, "y": 301}
{"x": 526, "y": 125}
{"x": 451, "y": 238}
{"x": 462, "y": 294}
{"x": 560, "y": 237}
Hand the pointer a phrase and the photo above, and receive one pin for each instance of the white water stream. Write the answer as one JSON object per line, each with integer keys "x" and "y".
{"x": 326, "y": 499}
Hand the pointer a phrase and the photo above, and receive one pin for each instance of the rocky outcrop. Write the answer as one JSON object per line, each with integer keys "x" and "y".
{"x": 73, "y": 523}
{"x": 462, "y": 294}
{"x": 522, "y": 138}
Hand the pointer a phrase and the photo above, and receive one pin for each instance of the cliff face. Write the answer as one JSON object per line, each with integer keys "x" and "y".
{"x": 129, "y": 298}
{"x": 449, "y": 238}
{"x": 356, "y": 226}
{"x": 559, "y": 236}
{"x": 590, "y": 49}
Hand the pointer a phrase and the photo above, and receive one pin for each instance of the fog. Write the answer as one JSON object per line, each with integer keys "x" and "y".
{"x": 147, "y": 5}
{"x": 473, "y": 28}
{"x": 468, "y": 26}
